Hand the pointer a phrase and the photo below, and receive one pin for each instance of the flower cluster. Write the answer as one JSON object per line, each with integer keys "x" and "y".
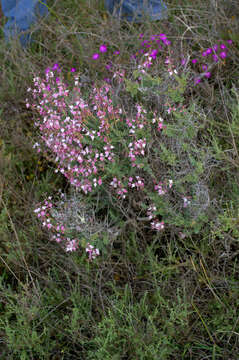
{"x": 160, "y": 42}
{"x": 46, "y": 214}
{"x": 216, "y": 52}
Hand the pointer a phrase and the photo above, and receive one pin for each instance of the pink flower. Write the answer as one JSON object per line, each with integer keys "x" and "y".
{"x": 223, "y": 46}
{"x": 92, "y": 252}
{"x": 71, "y": 246}
{"x": 163, "y": 36}
{"x": 208, "y": 74}
{"x": 154, "y": 53}
{"x": 95, "y": 56}
{"x": 223, "y": 54}
{"x": 103, "y": 48}
{"x": 55, "y": 67}
{"x": 183, "y": 61}
{"x": 197, "y": 80}
{"x": 208, "y": 51}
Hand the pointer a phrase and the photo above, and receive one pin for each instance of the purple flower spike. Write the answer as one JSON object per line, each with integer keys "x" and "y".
{"x": 95, "y": 56}
{"x": 204, "y": 53}
{"x": 208, "y": 51}
{"x": 215, "y": 58}
{"x": 103, "y": 48}
{"x": 204, "y": 67}
{"x": 57, "y": 79}
{"x": 197, "y": 81}
{"x": 229, "y": 42}
{"x": 162, "y": 36}
{"x": 208, "y": 74}
{"x": 223, "y": 54}
{"x": 215, "y": 47}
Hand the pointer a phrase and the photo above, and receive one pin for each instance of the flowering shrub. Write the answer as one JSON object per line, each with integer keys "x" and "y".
{"x": 102, "y": 150}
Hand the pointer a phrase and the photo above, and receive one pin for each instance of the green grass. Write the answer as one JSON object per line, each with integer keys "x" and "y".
{"x": 150, "y": 296}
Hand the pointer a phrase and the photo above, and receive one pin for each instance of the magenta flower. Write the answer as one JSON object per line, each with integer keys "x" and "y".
{"x": 215, "y": 47}
{"x": 108, "y": 67}
{"x": 215, "y": 58}
{"x": 55, "y": 67}
{"x": 223, "y": 46}
{"x": 194, "y": 61}
{"x": 204, "y": 67}
{"x": 95, "y": 56}
{"x": 166, "y": 42}
{"x": 107, "y": 80}
{"x": 196, "y": 81}
{"x": 103, "y": 48}
{"x": 47, "y": 70}
{"x": 208, "y": 51}
{"x": 143, "y": 42}
{"x": 154, "y": 53}
{"x": 183, "y": 61}
{"x": 229, "y": 42}
{"x": 73, "y": 70}
{"x": 223, "y": 54}
{"x": 208, "y": 74}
